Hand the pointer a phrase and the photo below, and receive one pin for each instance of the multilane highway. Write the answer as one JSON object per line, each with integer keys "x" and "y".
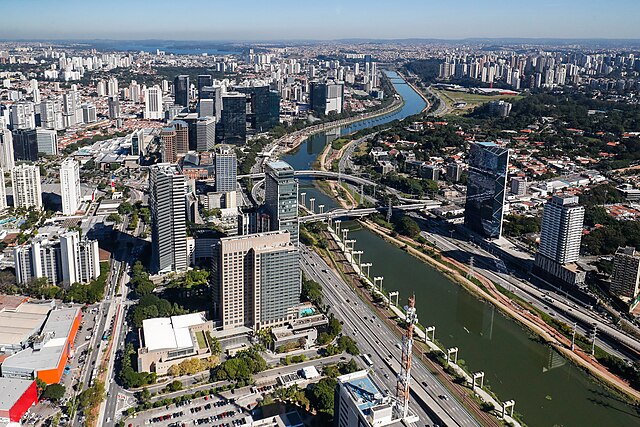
{"x": 375, "y": 338}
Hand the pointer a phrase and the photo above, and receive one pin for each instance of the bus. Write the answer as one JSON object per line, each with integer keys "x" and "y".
{"x": 367, "y": 359}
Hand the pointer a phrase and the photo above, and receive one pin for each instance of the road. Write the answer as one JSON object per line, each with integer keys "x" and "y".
{"x": 375, "y": 338}
{"x": 554, "y": 304}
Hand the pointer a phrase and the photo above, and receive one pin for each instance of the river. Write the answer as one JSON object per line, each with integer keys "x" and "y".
{"x": 548, "y": 390}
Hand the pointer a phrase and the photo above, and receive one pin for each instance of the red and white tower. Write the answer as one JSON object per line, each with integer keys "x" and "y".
{"x": 404, "y": 378}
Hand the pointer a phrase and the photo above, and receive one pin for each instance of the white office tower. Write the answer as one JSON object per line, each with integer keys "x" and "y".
{"x": 134, "y": 91}
{"x": 112, "y": 86}
{"x": 27, "y": 192}
{"x": 168, "y": 218}
{"x": 153, "y": 103}
{"x": 22, "y": 115}
{"x": 47, "y": 140}
{"x": 7, "y": 161}
{"x": 561, "y": 230}
{"x": 101, "y": 88}
{"x": 3, "y": 192}
{"x": 35, "y": 91}
{"x": 69, "y": 248}
{"x": 560, "y": 237}
{"x": 70, "y": 186}
{"x": 51, "y": 114}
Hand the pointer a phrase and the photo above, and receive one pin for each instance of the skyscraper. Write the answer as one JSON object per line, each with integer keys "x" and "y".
{"x": 486, "y": 189}
{"x": 182, "y": 136}
{"x": 25, "y": 144}
{"x": 47, "y": 140}
{"x": 233, "y": 118}
{"x": 22, "y": 115}
{"x": 89, "y": 114}
{"x": 326, "y": 97}
{"x": 625, "y": 279}
{"x": 256, "y": 280}
{"x": 181, "y": 90}
{"x": 168, "y": 144}
{"x": 206, "y": 133}
{"x": 69, "y": 245}
{"x": 3, "y": 191}
{"x": 264, "y": 107}
{"x": 560, "y": 237}
{"x": 281, "y": 198}
{"x": 153, "y": 103}
{"x": 7, "y": 161}
{"x": 70, "y": 186}
{"x": 204, "y": 80}
{"x": 168, "y": 219}
{"x": 114, "y": 107}
{"x": 27, "y": 192}
{"x": 226, "y": 170}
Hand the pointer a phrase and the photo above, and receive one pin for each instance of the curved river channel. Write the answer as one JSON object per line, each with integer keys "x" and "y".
{"x": 548, "y": 390}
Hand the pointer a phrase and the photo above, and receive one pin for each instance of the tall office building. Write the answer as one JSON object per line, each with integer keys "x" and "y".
{"x": 560, "y": 236}
{"x": 255, "y": 280}
{"x": 233, "y": 120}
{"x": 226, "y": 170}
{"x": 70, "y": 106}
{"x": 281, "y": 198}
{"x": 454, "y": 172}
{"x": 7, "y": 161}
{"x": 205, "y": 133}
{"x": 625, "y": 279}
{"x": 264, "y": 107}
{"x": 47, "y": 140}
{"x": 70, "y": 186}
{"x": 182, "y": 136}
{"x": 3, "y": 191}
{"x": 181, "y": 90}
{"x": 486, "y": 189}
{"x": 204, "y": 80}
{"x": 113, "y": 107}
{"x": 213, "y": 93}
{"x": 25, "y": 144}
{"x": 168, "y": 142}
{"x": 27, "y": 191}
{"x": 207, "y": 108}
{"x": 168, "y": 219}
{"x": 326, "y": 98}
{"x": 22, "y": 115}
{"x": 153, "y": 103}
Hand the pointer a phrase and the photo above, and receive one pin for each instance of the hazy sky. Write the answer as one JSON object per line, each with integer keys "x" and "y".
{"x": 322, "y": 19}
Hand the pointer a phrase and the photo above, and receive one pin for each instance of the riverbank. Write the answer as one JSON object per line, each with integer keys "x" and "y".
{"x": 418, "y": 91}
{"x": 486, "y": 290}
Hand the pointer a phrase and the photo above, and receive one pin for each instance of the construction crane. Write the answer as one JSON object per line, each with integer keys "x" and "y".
{"x": 404, "y": 378}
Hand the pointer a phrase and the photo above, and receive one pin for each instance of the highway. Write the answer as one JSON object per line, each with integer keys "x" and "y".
{"x": 381, "y": 343}
{"x": 555, "y": 304}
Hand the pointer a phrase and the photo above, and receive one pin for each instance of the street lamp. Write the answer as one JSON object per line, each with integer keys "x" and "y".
{"x": 303, "y": 196}
{"x": 312, "y": 201}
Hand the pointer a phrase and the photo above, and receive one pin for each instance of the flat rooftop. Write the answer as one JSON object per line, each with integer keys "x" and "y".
{"x": 169, "y": 333}
{"x": 58, "y": 326}
{"x": 11, "y": 390}
{"x": 18, "y": 321}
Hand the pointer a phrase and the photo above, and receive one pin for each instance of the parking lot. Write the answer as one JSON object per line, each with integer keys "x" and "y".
{"x": 210, "y": 410}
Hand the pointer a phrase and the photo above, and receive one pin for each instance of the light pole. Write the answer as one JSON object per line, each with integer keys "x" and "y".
{"x": 345, "y": 231}
{"x": 321, "y": 207}
{"x": 337, "y": 222}
{"x": 312, "y": 201}
{"x": 376, "y": 280}
{"x": 303, "y": 196}
{"x": 359, "y": 254}
{"x": 367, "y": 265}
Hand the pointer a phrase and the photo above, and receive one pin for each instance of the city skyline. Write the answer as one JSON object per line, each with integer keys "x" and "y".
{"x": 333, "y": 20}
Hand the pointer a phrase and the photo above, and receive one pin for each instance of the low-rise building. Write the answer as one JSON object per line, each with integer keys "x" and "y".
{"x": 166, "y": 341}
{"x": 16, "y": 397}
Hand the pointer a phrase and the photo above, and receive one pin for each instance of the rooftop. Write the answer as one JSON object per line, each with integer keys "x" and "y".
{"x": 164, "y": 333}
{"x": 57, "y": 328}
{"x": 19, "y": 322}
{"x": 11, "y": 390}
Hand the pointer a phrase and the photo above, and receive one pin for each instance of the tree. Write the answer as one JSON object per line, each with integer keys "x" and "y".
{"x": 407, "y": 227}
{"x": 54, "y": 392}
{"x": 321, "y": 395}
{"x": 114, "y": 217}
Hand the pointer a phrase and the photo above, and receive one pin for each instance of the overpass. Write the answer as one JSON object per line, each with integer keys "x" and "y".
{"x": 360, "y": 212}
{"x": 321, "y": 174}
